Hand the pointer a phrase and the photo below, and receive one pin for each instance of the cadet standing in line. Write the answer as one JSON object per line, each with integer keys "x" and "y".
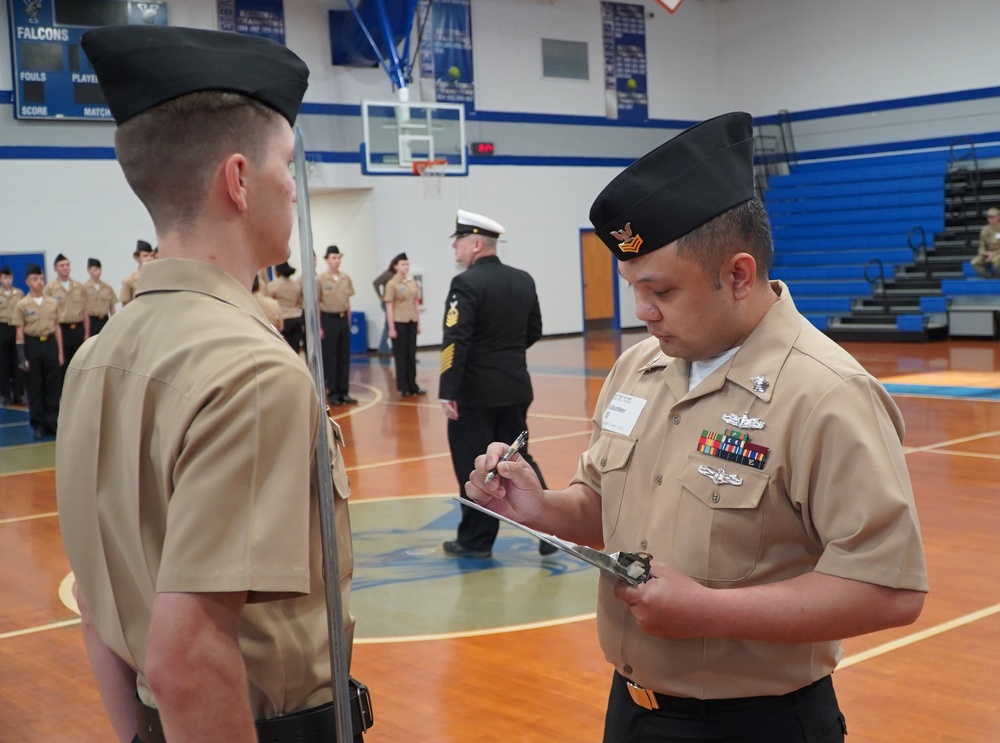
{"x": 101, "y": 299}
{"x": 11, "y": 377}
{"x": 73, "y": 319}
{"x": 40, "y": 352}
{"x": 757, "y": 463}
{"x": 270, "y": 307}
{"x": 197, "y": 555}
{"x": 379, "y": 285}
{"x": 491, "y": 318}
{"x": 142, "y": 254}
{"x": 288, "y": 293}
{"x": 403, "y": 316}
{"x": 335, "y": 289}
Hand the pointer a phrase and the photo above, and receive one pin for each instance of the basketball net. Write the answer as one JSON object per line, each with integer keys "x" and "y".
{"x": 431, "y": 174}
{"x": 670, "y": 5}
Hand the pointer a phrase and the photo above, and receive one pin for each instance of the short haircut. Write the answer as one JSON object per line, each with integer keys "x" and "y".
{"x": 170, "y": 152}
{"x": 745, "y": 228}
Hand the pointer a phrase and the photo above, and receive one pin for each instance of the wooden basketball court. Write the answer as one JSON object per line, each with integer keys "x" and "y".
{"x": 933, "y": 681}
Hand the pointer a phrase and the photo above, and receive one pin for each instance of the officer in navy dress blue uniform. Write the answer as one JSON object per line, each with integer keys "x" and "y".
{"x": 491, "y": 318}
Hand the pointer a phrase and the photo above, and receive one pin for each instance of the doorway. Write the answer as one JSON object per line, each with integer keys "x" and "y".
{"x": 599, "y": 277}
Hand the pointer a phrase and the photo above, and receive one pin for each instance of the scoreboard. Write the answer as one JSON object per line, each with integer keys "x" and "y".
{"x": 52, "y": 77}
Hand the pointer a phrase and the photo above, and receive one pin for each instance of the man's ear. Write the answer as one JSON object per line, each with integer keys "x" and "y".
{"x": 234, "y": 171}
{"x": 741, "y": 270}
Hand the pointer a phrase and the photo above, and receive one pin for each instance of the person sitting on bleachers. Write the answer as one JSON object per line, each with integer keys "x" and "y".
{"x": 987, "y": 260}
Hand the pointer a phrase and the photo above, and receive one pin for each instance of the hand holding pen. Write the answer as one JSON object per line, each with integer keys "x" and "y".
{"x": 513, "y": 449}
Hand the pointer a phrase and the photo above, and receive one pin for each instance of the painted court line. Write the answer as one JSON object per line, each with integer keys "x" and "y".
{"x": 15, "y": 519}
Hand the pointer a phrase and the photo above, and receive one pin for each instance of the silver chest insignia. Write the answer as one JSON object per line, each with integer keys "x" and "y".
{"x": 743, "y": 421}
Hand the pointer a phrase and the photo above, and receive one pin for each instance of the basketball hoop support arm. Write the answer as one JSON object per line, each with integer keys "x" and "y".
{"x": 397, "y": 69}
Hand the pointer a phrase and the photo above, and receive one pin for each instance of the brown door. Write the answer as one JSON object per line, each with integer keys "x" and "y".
{"x": 598, "y": 284}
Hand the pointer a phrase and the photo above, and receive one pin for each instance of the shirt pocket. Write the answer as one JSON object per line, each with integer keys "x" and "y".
{"x": 335, "y": 438}
{"x": 717, "y": 534}
{"x": 613, "y": 455}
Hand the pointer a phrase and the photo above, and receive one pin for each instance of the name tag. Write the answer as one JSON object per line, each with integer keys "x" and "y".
{"x": 622, "y": 413}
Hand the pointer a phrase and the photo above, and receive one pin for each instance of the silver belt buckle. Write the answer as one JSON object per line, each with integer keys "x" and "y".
{"x": 643, "y": 697}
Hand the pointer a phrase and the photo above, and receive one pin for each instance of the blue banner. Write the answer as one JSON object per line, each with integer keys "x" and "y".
{"x": 624, "y": 30}
{"x": 264, "y": 18}
{"x": 446, "y": 72}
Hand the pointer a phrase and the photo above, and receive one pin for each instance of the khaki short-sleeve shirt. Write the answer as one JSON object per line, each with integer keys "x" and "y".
{"x": 832, "y": 494}
{"x": 334, "y": 292}
{"x": 128, "y": 287}
{"x": 8, "y": 301}
{"x": 72, "y": 301}
{"x": 288, "y": 293}
{"x": 184, "y": 464}
{"x": 100, "y": 299}
{"x": 402, "y": 295}
{"x": 37, "y": 319}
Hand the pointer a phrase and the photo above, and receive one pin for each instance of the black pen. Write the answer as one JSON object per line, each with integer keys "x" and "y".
{"x": 514, "y": 448}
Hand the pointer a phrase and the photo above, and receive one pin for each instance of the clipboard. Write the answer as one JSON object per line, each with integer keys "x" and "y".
{"x": 631, "y": 567}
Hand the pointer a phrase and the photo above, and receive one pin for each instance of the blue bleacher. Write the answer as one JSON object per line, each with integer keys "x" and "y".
{"x": 970, "y": 287}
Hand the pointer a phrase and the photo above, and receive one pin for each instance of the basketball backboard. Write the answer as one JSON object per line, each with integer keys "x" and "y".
{"x": 397, "y": 134}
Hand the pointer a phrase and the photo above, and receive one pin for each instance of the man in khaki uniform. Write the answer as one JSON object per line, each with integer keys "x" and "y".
{"x": 11, "y": 378}
{"x": 101, "y": 299}
{"x": 335, "y": 289}
{"x": 184, "y": 469}
{"x": 987, "y": 260}
{"x": 39, "y": 352}
{"x": 142, "y": 254}
{"x": 72, "y": 298}
{"x": 757, "y": 463}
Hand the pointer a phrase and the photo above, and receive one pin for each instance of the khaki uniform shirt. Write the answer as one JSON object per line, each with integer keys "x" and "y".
{"x": 38, "y": 320}
{"x": 402, "y": 295}
{"x": 288, "y": 292}
{"x": 833, "y": 495}
{"x": 128, "y": 287}
{"x": 72, "y": 302}
{"x": 100, "y": 299}
{"x": 185, "y": 465}
{"x": 8, "y": 301}
{"x": 272, "y": 311}
{"x": 334, "y": 292}
{"x": 989, "y": 239}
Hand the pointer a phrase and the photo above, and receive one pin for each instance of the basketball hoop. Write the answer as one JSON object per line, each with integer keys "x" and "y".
{"x": 431, "y": 173}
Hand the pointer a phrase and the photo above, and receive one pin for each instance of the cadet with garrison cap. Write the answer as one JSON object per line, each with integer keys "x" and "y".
{"x": 73, "y": 319}
{"x": 39, "y": 352}
{"x": 197, "y": 549}
{"x": 335, "y": 289}
{"x": 142, "y": 254}
{"x": 987, "y": 260}
{"x": 101, "y": 299}
{"x": 754, "y": 459}
{"x": 11, "y": 377}
{"x": 491, "y": 317}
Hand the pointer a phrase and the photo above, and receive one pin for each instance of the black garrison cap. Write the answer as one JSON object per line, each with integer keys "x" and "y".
{"x": 59, "y": 257}
{"x": 141, "y": 246}
{"x": 93, "y": 263}
{"x": 332, "y": 250}
{"x": 677, "y": 187}
{"x": 5, "y": 271}
{"x": 33, "y": 269}
{"x": 139, "y": 67}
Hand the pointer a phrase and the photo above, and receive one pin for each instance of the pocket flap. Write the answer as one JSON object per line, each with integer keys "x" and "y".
{"x": 723, "y": 495}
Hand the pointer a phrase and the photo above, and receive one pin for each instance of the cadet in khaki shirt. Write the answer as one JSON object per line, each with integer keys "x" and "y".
{"x": 11, "y": 378}
{"x": 287, "y": 292}
{"x": 270, "y": 307}
{"x": 403, "y": 316}
{"x": 987, "y": 260}
{"x": 142, "y": 254}
{"x": 72, "y": 298}
{"x": 757, "y": 463}
{"x": 335, "y": 289}
{"x": 101, "y": 299}
{"x": 39, "y": 352}
{"x": 197, "y": 551}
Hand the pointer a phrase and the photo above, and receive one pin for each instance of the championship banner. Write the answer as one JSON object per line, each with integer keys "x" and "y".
{"x": 446, "y": 73}
{"x": 264, "y": 18}
{"x": 624, "y": 29}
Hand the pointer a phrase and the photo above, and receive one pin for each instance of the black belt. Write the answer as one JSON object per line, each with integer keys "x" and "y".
{"x": 685, "y": 705}
{"x": 71, "y": 325}
{"x": 98, "y": 317}
{"x": 39, "y": 338}
{"x": 316, "y": 725}
{"x": 335, "y": 314}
